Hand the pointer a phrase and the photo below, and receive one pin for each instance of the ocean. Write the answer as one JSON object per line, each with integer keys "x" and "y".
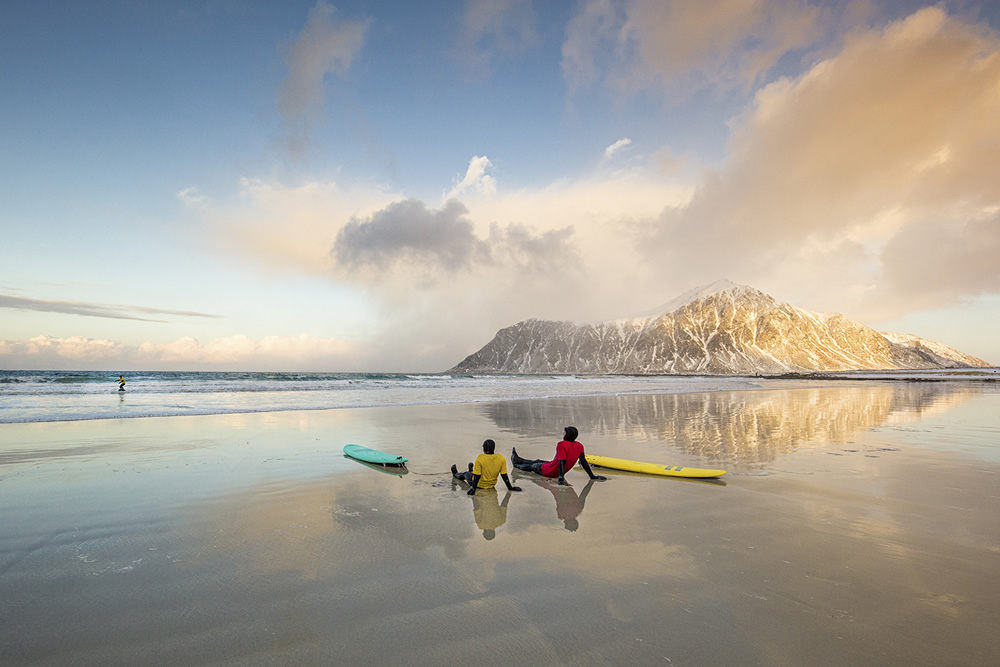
{"x": 46, "y": 396}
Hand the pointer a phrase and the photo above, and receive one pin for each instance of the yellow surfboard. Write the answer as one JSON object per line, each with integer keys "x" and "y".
{"x": 652, "y": 468}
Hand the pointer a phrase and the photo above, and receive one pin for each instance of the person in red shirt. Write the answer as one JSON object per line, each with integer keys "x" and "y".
{"x": 568, "y": 452}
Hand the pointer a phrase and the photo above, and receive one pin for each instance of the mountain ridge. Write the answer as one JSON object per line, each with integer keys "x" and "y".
{"x": 723, "y": 328}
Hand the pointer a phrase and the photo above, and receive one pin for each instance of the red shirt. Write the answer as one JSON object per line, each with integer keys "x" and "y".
{"x": 567, "y": 451}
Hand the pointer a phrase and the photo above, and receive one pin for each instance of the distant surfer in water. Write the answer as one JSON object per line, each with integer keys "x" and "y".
{"x": 568, "y": 452}
{"x": 483, "y": 474}
{"x": 121, "y": 383}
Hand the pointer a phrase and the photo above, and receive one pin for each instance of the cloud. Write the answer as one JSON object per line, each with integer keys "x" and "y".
{"x": 51, "y": 352}
{"x": 325, "y": 46}
{"x": 93, "y": 309}
{"x": 409, "y": 231}
{"x": 493, "y": 30}
{"x": 588, "y": 32}
{"x": 937, "y": 262}
{"x": 442, "y": 280}
{"x": 681, "y": 45}
{"x": 240, "y": 351}
{"x": 287, "y": 228}
{"x": 192, "y": 198}
{"x": 476, "y": 179}
{"x": 889, "y": 144}
{"x": 408, "y": 237}
{"x": 237, "y": 352}
{"x": 616, "y": 147}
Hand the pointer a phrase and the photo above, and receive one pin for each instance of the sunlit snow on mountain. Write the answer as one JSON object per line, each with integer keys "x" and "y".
{"x": 722, "y": 328}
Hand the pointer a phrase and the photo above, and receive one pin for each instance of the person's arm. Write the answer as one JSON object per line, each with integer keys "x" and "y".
{"x": 586, "y": 467}
{"x": 506, "y": 480}
{"x": 562, "y": 473}
{"x": 475, "y": 484}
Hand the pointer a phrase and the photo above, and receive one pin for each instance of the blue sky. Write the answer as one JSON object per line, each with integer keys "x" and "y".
{"x": 359, "y": 186}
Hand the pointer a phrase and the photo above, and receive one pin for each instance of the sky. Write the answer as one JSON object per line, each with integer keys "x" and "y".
{"x": 382, "y": 186}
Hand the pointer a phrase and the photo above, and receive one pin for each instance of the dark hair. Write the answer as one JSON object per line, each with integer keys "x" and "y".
{"x": 570, "y": 433}
{"x": 489, "y": 446}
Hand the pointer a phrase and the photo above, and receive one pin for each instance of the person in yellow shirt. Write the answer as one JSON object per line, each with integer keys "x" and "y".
{"x": 487, "y": 468}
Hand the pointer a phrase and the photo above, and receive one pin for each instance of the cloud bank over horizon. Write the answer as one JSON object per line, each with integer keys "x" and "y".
{"x": 271, "y": 353}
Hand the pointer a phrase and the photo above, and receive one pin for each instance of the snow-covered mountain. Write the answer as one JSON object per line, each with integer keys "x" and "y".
{"x": 722, "y": 328}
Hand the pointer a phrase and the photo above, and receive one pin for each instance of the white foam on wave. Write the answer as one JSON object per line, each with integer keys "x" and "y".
{"x": 197, "y": 395}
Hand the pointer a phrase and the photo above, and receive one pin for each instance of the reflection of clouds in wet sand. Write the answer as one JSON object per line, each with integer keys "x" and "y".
{"x": 368, "y": 553}
{"x": 366, "y": 521}
{"x": 735, "y": 427}
{"x": 531, "y": 545}
{"x": 604, "y": 558}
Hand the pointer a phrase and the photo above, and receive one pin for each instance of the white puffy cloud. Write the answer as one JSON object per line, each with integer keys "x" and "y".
{"x": 39, "y": 351}
{"x": 241, "y": 352}
{"x": 237, "y": 352}
{"x": 475, "y": 180}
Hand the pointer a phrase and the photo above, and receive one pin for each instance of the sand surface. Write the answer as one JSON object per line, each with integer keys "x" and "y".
{"x": 858, "y": 524}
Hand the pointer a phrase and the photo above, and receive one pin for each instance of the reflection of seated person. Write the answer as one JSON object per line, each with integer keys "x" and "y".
{"x": 489, "y": 514}
{"x": 484, "y": 473}
{"x": 569, "y": 506}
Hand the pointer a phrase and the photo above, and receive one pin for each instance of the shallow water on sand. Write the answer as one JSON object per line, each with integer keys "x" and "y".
{"x": 859, "y": 524}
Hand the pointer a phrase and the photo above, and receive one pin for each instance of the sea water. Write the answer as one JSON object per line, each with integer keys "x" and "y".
{"x": 42, "y": 396}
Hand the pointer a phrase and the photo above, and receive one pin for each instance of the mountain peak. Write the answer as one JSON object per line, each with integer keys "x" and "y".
{"x": 720, "y": 328}
{"x": 695, "y": 294}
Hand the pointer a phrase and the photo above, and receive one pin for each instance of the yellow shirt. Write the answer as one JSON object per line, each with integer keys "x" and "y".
{"x": 489, "y": 467}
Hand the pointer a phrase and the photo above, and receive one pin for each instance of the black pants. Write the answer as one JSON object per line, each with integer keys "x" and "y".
{"x": 527, "y": 465}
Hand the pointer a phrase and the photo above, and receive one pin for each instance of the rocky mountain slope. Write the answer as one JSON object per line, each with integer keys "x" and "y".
{"x": 723, "y": 328}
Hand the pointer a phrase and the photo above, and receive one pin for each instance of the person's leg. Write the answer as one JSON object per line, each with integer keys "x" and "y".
{"x": 530, "y": 466}
{"x": 523, "y": 463}
{"x": 464, "y": 476}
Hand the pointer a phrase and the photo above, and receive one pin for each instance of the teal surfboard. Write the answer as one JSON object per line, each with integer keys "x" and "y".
{"x": 369, "y": 455}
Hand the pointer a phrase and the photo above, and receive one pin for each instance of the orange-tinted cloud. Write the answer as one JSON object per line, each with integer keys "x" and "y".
{"x": 891, "y": 143}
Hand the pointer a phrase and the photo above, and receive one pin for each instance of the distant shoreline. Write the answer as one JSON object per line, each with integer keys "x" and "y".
{"x": 985, "y": 374}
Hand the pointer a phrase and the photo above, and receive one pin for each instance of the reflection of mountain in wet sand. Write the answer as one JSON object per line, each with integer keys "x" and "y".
{"x": 736, "y": 427}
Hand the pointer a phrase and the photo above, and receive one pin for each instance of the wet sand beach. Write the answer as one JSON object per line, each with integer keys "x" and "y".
{"x": 859, "y": 524}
